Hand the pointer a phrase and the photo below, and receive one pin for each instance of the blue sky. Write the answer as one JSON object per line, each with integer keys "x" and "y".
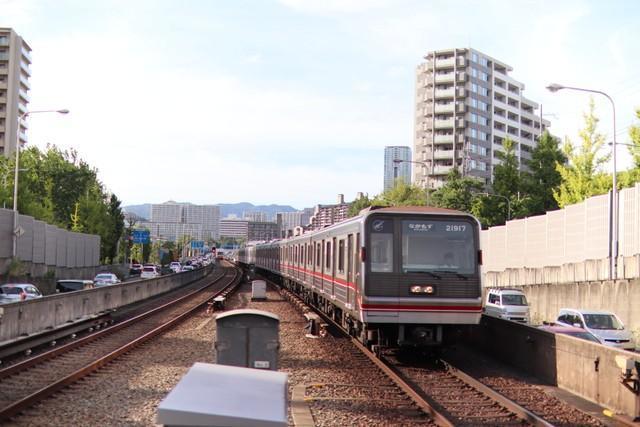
{"x": 292, "y": 101}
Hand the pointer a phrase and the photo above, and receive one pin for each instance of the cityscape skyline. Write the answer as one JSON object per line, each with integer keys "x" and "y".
{"x": 353, "y": 117}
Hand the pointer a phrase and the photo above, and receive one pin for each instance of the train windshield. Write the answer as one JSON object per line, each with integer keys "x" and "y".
{"x": 438, "y": 246}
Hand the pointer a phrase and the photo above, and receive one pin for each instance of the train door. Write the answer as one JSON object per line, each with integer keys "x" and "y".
{"x": 350, "y": 281}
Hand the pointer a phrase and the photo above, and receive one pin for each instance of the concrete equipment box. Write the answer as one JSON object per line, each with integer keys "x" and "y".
{"x": 220, "y": 395}
{"x": 248, "y": 338}
{"x": 258, "y": 290}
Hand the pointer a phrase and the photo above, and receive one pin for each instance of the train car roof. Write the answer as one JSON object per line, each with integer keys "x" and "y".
{"x": 413, "y": 209}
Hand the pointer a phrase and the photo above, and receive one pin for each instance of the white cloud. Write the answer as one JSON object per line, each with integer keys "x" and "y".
{"x": 333, "y": 7}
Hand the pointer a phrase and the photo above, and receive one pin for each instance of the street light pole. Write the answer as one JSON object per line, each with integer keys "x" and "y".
{"x": 426, "y": 183}
{"x": 22, "y": 117}
{"x": 613, "y": 220}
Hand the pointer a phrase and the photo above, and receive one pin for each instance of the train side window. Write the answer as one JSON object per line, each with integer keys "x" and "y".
{"x": 341, "y": 255}
{"x": 318, "y": 254}
{"x": 328, "y": 256}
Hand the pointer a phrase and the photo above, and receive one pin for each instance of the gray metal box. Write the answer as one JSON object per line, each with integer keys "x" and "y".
{"x": 258, "y": 290}
{"x": 248, "y": 338}
{"x": 218, "y": 395}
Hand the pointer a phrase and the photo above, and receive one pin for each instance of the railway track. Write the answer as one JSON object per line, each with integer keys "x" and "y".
{"x": 445, "y": 394}
{"x": 26, "y": 383}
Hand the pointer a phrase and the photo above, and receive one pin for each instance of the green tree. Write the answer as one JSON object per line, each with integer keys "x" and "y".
{"x": 582, "y": 176}
{"x": 634, "y": 134}
{"x": 358, "y": 204}
{"x": 402, "y": 194}
{"x": 457, "y": 193}
{"x": 544, "y": 176}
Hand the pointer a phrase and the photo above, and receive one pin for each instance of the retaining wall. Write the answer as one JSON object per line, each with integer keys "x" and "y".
{"x": 33, "y": 316}
{"x": 581, "y": 367}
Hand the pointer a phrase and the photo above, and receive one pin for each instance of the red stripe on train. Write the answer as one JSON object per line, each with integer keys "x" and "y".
{"x": 421, "y": 307}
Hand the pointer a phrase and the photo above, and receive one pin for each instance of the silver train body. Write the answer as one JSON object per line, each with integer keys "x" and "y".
{"x": 390, "y": 276}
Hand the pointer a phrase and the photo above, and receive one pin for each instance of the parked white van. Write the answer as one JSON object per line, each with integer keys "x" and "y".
{"x": 507, "y": 303}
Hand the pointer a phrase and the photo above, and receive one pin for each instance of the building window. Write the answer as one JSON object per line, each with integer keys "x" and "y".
{"x": 474, "y": 57}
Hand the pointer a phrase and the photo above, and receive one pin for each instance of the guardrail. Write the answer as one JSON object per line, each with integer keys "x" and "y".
{"x": 32, "y": 316}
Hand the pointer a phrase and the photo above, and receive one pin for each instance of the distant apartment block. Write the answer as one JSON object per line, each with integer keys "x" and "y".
{"x": 15, "y": 71}
{"x": 255, "y": 216}
{"x": 326, "y": 215}
{"x": 234, "y": 228}
{"x": 173, "y": 220}
{"x": 466, "y": 105}
{"x": 262, "y": 231}
{"x": 394, "y": 169}
{"x": 287, "y": 221}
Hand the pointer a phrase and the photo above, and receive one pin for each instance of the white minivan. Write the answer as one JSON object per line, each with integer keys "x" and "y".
{"x": 507, "y": 303}
{"x": 605, "y": 325}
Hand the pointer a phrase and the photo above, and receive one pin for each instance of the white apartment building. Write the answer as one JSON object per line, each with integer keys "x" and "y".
{"x": 394, "y": 170}
{"x": 255, "y": 216}
{"x": 236, "y": 228}
{"x": 288, "y": 221}
{"x": 15, "y": 71}
{"x": 173, "y": 220}
{"x": 466, "y": 105}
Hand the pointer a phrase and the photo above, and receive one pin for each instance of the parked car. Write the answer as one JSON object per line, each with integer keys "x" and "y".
{"x": 12, "y": 292}
{"x": 188, "y": 268}
{"x": 605, "y": 325}
{"x": 507, "y": 303}
{"x": 176, "y": 267}
{"x": 135, "y": 269}
{"x": 571, "y": 331}
{"x": 71, "y": 285}
{"x": 149, "y": 272}
{"x": 105, "y": 279}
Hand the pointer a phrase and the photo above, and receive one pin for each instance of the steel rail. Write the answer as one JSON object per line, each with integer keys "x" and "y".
{"x": 415, "y": 395}
{"x": 518, "y": 410}
{"x": 45, "y": 337}
{"x": 28, "y": 363}
{"x": 28, "y": 401}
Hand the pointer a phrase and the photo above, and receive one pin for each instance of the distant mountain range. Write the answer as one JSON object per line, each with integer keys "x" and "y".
{"x": 226, "y": 209}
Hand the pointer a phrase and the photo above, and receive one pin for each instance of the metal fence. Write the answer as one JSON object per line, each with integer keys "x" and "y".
{"x": 41, "y": 243}
{"x": 570, "y": 244}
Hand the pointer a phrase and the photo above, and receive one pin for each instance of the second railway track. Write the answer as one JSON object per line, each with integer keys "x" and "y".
{"x": 24, "y": 384}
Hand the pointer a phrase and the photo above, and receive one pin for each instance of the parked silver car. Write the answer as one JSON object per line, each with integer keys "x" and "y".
{"x": 605, "y": 325}
{"x": 12, "y": 292}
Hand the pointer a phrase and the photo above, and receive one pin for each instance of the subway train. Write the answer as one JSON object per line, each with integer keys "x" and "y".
{"x": 391, "y": 276}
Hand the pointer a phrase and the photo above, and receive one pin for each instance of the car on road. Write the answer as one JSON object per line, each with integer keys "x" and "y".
{"x": 12, "y": 292}
{"x": 72, "y": 285}
{"x": 176, "y": 267}
{"x": 135, "y": 269}
{"x": 188, "y": 268}
{"x": 149, "y": 272}
{"x": 106, "y": 279}
{"x": 605, "y": 325}
{"x": 571, "y": 331}
{"x": 507, "y": 303}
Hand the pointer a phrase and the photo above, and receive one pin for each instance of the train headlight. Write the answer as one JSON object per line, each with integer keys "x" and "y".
{"x": 416, "y": 289}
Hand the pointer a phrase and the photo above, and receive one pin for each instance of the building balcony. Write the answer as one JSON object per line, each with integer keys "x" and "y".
{"x": 25, "y": 81}
{"x": 443, "y": 154}
{"x": 442, "y": 63}
{"x": 2, "y": 129}
{"x": 4, "y": 70}
{"x": 24, "y": 94}
{"x": 445, "y": 93}
{"x": 443, "y": 139}
{"x": 446, "y": 123}
{"x": 445, "y": 78}
{"x": 4, "y": 85}
{"x": 461, "y": 92}
{"x": 4, "y": 41}
{"x": 4, "y": 56}
{"x": 441, "y": 170}
{"x": 462, "y": 62}
{"x": 444, "y": 108}
{"x": 3, "y": 99}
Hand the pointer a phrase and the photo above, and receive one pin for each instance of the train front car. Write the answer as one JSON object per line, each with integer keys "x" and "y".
{"x": 421, "y": 275}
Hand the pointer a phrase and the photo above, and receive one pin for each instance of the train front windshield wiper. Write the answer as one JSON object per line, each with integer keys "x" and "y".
{"x": 460, "y": 276}
{"x": 424, "y": 272}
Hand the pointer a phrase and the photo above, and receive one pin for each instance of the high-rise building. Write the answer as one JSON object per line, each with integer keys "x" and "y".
{"x": 326, "y": 215}
{"x": 262, "y": 231}
{"x": 288, "y": 221}
{"x": 235, "y": 228}
{"x": 467, "y": 104}
{"x": 173, "y": 220}
{"x": 396, "y": 170}
{"x": 15, "y": 71}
